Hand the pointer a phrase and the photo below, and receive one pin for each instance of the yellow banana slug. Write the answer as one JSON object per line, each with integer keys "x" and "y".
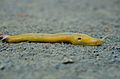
{"x": 73, "y": 38}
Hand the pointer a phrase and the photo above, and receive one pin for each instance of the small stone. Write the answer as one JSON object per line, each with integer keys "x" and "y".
{"x": 2, "y": 67}
{"x": 67, "y": 61}
{"x": 118, "y": 49}
{"x": 97, "y": 55}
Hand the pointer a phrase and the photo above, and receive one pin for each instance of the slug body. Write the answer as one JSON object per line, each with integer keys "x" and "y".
{"x": 73, "y": 38}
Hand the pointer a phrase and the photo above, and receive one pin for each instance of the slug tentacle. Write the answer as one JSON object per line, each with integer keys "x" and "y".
{"x": 103, "y": 39}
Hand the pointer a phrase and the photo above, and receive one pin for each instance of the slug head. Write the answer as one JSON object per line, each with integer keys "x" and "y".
{"x": 83, "y": 39}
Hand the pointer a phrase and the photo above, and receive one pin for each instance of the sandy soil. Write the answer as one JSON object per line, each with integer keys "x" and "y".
{"x": 46, "y": 61}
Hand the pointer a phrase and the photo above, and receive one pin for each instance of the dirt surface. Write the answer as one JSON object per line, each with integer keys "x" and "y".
{"x": 60, "y": 61}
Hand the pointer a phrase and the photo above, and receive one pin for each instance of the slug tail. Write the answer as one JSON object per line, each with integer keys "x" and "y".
{"x": 3, "y": 37}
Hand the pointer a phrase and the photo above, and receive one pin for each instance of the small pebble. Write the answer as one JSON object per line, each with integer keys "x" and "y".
{"x": 2, "y": 67}
{"x": 118, "y": 49}
{"x": 67, "y": 61}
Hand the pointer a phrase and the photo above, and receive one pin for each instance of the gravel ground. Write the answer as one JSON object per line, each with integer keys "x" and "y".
{"x": 60, "y": 61}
